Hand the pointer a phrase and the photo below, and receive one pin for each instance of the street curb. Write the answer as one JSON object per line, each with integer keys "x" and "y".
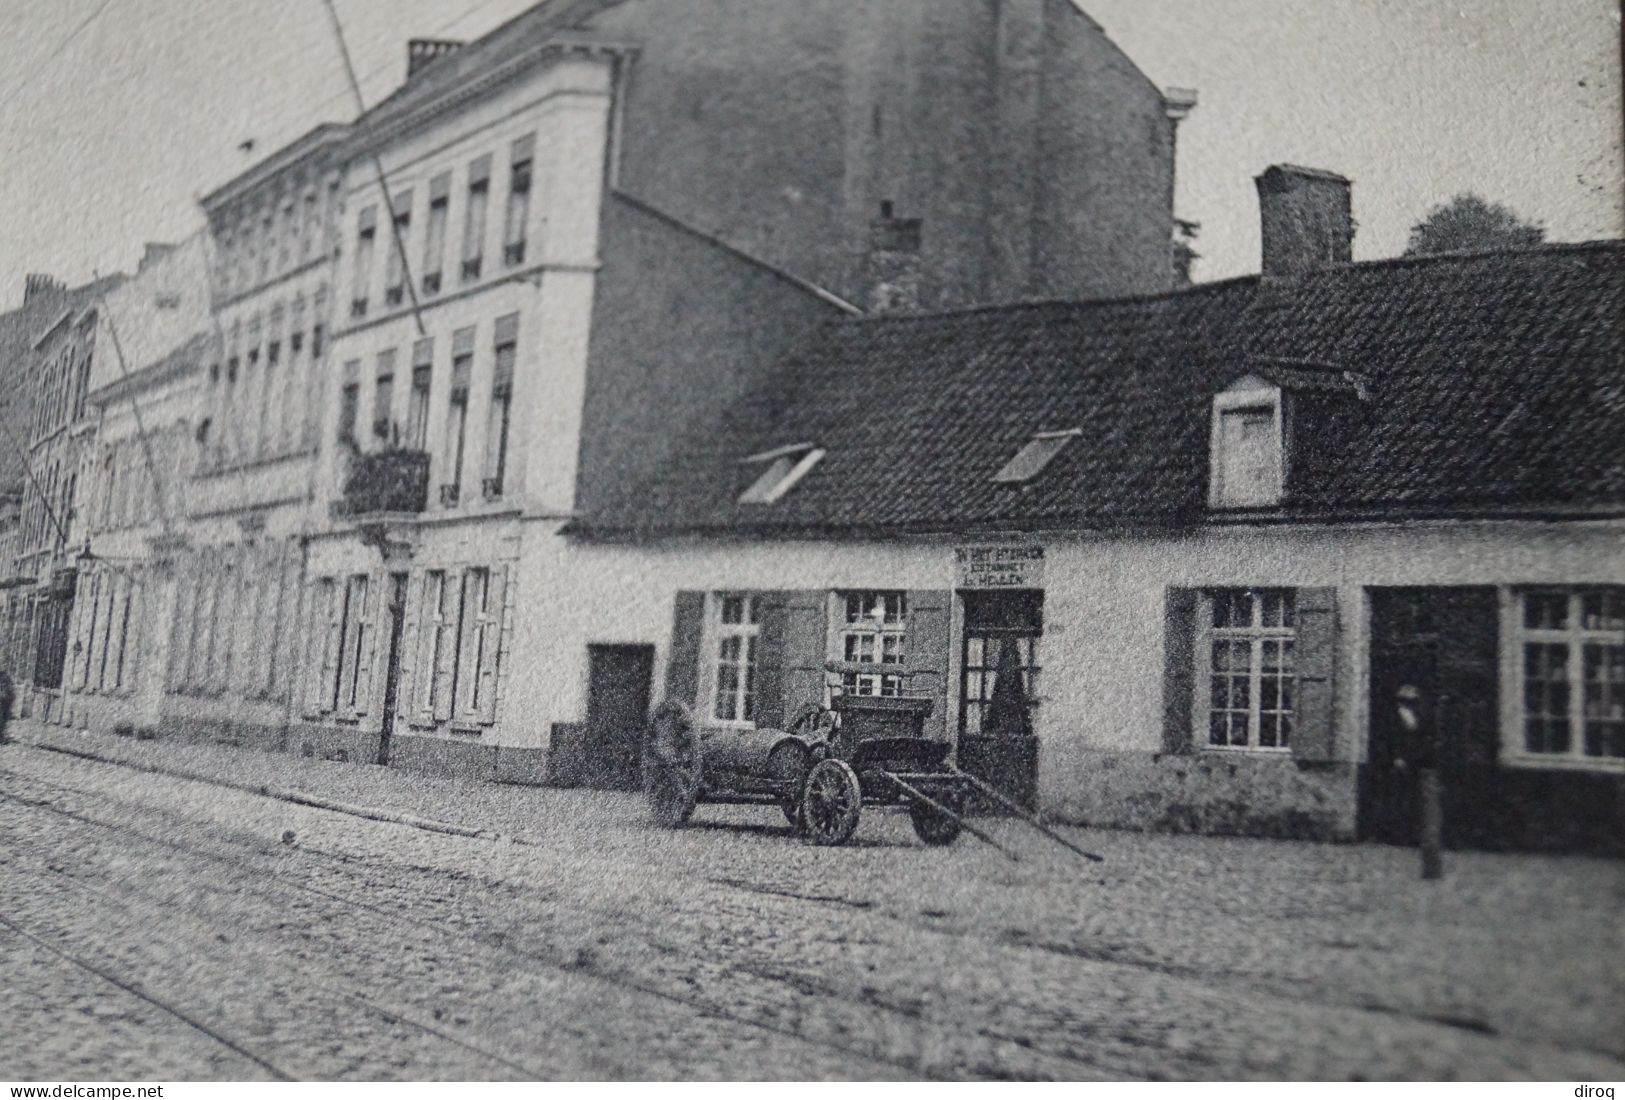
{"x": 296, "y": 797}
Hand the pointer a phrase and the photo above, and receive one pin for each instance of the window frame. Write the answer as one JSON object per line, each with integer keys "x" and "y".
{"x": 1517, "y": 636}
{"x": 1257, "y": 634}
{"x": 1247, "y": 394}
{"x": 891, "y": 679}
{"x": 717, "y": 631}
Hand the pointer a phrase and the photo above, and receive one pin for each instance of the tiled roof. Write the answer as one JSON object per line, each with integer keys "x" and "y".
{"x": 1459, "y": 384}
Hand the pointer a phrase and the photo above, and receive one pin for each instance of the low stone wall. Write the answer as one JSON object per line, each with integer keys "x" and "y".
{"x": 344, "y": 743}
{"x": 196, "y": 730}
{"x": 1213, "y": 793}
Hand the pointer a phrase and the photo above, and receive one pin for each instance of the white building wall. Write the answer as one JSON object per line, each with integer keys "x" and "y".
{"x": 1102, "y": 648}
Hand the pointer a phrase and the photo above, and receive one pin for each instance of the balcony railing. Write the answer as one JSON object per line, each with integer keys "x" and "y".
{"x": 394, "y": 480}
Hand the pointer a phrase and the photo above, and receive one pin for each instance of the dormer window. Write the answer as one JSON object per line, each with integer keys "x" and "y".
{"x": 778, "y": 471}
{"x": 1030, "y": 461}
{"x": 1246, "y": 449}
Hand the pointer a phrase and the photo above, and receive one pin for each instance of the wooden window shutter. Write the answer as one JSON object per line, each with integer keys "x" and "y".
{"x": 926, "y": 649}
{"x": 474, "y": 582}
{"x": 447, "y": 630}
{"x": 771, "y": 709}
{"x": 491, "y": 623}
{"x": 1314, "y": 735}
{"x": 426, "y": 666}
{"x": 805, "y": 650}
{"x": 180, "y": 634}
{"x": 1178, "y": 668}
{"x": 364, "y": 645}
{"x": 84, "y": 631}
{"x": 683, "y": 661}
{"x": 333, "y": 606}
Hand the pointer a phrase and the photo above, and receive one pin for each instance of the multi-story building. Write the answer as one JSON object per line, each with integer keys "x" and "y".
{"x": 541, "y": 285}
{"x": 55, "y": 376}
{"x": 229, "y": 659}
{"x": 153, "y": 337}
{"x": 43, "y": 299}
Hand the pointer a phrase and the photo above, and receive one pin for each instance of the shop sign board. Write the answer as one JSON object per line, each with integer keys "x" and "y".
{"x": 1013, "y": 566}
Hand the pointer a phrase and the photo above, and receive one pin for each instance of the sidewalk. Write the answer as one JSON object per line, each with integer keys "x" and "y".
{"x": 470, "y": 804}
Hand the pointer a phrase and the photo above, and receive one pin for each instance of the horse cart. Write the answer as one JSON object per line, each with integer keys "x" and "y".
{"x": 821, "y": 771}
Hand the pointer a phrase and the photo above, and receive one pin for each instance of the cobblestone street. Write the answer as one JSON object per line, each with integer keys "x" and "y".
{"x": 158, "y": 927}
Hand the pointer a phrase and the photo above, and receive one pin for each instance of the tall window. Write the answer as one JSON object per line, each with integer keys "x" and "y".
{"x": 350, "y": 400}
{"x": 266, "y": 429}
{"x": 395, "y": 269}
{"x": 383, "y": 397}
{"x": 309, "y": 229}
{"x": 1251, "y": 673}
{"x": 417, "y": 413}
{"x": 228, "y": 409}
{"x": 513, "y": 237}
{"x": 434, "y": 234}
{"x": 479, "y": 201}
{"x": 462, "y": 365}
{"x": 480, "y": 601}
{"x": 365, "y": 244}
{"x": 735, "y": 630}
{"x": 285, "y": 239}
{"x": 1573, "y": 674}
{"x": 874, "y": 626}
{"x": 353, "y": 680}
{"x": 267, "y": 243}
{"x": 121, "y": 636}
{"x": 496, "y": 429}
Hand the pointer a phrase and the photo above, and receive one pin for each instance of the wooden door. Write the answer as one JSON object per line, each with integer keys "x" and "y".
{"x": 1443, "y": 642}
{"x": 619, "y": 681}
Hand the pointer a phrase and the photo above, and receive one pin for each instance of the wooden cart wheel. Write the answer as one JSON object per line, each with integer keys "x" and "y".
{"x": 788, "y": 764}
{"x": 932, "y": 826}
{"x": 671, "y": 765}
{"x": 831, "y": 802}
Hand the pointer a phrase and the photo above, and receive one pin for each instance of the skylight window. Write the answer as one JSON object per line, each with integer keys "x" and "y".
{"x": 1030, "y": 461}
{"x": 779, "y": 471}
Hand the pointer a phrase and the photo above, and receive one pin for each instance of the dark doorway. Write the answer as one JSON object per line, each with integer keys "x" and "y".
{"x": 392, "y": 664}
{"x": 1443, "y": 642}
{"x": 998, "y": 686}
{"x": 619, "y": 681}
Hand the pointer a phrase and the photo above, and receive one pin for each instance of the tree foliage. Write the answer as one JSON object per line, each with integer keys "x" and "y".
{"x": 1467, "y": 223}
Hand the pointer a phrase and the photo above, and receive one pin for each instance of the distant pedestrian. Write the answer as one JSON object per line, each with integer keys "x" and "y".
{"x": 1418, "y": 749}
{"x": 8, "y": 695}
{"x": 1415, "y": 746}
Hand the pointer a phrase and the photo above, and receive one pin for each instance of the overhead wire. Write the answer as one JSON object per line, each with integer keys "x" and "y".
{"x": 55, "y": 52}
{"x": 287, "y": 133}
{"x": 378, "y": 166}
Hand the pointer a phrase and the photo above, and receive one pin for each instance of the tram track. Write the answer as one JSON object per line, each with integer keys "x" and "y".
{"x": 164, "y": 1006}
{"x": 569, "y": 963}
{"x": 122, "y": 896}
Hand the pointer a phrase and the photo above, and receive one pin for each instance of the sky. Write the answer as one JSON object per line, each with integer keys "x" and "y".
{"x": 106, "y": 142}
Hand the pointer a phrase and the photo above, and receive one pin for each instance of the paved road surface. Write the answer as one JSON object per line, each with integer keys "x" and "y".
{"x": 160, "y": 928}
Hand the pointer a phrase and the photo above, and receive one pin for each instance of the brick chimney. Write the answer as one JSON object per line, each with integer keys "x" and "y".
{"x": 892, "y": 264}
{"x": 423, "y": 51}
{"x": 1307, "y": 219}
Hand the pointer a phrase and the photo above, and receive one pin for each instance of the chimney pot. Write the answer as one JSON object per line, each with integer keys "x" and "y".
{"x": 1306, "y": 219}
{"x": 421, "y": 52}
